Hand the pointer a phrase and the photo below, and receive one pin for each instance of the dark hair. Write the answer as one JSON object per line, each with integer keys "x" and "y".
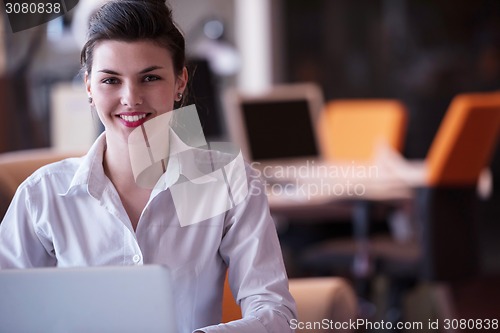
{"x": 132, "y": 20}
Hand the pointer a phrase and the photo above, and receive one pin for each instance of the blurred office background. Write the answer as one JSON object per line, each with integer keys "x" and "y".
{"x": 421, "y": 52}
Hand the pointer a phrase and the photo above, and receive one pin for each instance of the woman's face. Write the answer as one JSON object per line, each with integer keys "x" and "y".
{"x": 132, "y": 82}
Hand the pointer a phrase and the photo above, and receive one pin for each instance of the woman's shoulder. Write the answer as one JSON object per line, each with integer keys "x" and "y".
{"x": 60, "y": 171}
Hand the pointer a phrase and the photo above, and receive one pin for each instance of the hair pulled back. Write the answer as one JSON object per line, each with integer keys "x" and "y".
{"x": 133, "y": 20}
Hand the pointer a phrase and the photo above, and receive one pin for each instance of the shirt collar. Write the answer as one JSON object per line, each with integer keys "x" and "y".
{"x": 194, "y": 164}
{"x": 90, "y": 172}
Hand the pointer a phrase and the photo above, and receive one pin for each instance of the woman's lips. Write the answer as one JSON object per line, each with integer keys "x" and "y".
{"x": 133, "y": 119}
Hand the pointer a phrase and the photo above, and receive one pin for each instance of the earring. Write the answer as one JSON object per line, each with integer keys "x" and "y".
{"x": 90, "y": 100}
{"x": 179, "y": 96}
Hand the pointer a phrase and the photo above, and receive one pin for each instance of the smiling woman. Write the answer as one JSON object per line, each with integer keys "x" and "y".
{"x": 91, "y": 211}
{"x": 131, "y": 83}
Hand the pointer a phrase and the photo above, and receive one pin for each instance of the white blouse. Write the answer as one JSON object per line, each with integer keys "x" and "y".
{"x": 69, "y": 214}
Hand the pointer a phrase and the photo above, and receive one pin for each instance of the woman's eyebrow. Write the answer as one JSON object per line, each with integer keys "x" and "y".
{"x": 150, "y": 69}
{"x": 108, "y": 71}
{"x": 145, "y": 70}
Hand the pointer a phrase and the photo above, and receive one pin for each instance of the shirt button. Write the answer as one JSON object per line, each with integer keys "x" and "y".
{"x": 136, "y": 258}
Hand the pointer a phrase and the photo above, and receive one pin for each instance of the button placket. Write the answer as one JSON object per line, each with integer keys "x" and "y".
{"x": 133, "y": 252}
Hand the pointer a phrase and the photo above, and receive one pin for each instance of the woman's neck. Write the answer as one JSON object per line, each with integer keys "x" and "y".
{"x": 117, "y": 165}
{"x": 118, "y": 168}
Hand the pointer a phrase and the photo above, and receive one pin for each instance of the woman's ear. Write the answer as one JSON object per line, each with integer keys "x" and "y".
{"x": 182, "y": 80}
{"x": 86, "y": 79}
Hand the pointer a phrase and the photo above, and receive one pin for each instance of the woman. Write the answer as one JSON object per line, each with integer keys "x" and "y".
{"x": 90, "y": 211}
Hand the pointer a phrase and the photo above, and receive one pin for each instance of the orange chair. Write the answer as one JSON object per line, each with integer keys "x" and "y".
{"x": 230, "y": 309}
{"x": 445, "y": 208}
{"x": 444, "y": 204}
{"x": 317, "y": 299}
{"x": 350, "y": 130}
{"x": 465, "y": 140}
{"x": 16, "y": 166}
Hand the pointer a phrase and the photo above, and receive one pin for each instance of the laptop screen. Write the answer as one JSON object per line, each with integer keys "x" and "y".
{"x": 279, "y": 129}
{"x": 277, "y": 124}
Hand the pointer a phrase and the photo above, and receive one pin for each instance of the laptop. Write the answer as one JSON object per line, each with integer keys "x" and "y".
{"x": 91, "y": 299}
{"x": 277, "y": 126}
{"x": 277, "y": 131}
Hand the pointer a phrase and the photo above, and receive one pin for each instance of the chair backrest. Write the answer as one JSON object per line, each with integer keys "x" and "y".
{"x": 15, "y": 167}
{"x": 351, "y": 130}
{"x": 230, "y": 309}
{"x": 317, "y": 298}
{"x": 465, "y": 140}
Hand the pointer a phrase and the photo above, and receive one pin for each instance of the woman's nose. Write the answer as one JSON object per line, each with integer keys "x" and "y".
{"x": 131, "y": 95}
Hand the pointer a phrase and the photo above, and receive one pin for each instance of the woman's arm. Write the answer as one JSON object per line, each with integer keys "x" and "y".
{"x": 257, "y": 274}
{"x": 21, "y": 246}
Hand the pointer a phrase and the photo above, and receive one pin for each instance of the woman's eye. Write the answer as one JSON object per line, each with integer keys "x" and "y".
{"x": 150, "y": 78}
{"x": 110, "y": 80}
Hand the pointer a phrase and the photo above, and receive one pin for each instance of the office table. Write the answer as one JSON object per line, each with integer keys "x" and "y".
{"x": 446, "y": 216}
{"x": 341, "y": 195}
